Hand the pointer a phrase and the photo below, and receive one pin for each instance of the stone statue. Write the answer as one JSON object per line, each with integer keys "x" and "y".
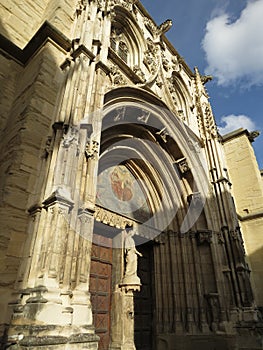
{"x": 131, "y": 258}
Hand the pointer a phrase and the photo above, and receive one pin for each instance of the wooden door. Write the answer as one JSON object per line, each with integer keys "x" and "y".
{"x": 100, "y": 289}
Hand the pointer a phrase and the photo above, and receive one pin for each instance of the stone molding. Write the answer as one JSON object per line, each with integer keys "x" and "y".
{"x": 110, "y": 218}
{"x": 46, "y": 31}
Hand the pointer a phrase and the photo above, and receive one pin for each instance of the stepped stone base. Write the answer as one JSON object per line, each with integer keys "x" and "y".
{"x": 49, "y": 338}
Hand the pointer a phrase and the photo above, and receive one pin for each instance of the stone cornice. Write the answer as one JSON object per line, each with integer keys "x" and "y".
{"x": 239, "y": 132}
{"x": 252, "y": 216}
{"x": 45, "y": 32}
{"x": 83, "y": 50}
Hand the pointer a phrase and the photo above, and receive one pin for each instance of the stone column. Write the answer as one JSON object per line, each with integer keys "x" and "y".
{"x": 52, "y": 307}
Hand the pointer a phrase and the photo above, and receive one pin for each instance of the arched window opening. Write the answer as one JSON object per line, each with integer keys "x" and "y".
{"x": 113, "y": 43}
{"x": 123, "y": 51}
{"x": 118, "y": 45}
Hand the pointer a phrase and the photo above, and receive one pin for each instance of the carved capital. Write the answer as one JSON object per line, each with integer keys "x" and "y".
{"x": 59, "y": 196}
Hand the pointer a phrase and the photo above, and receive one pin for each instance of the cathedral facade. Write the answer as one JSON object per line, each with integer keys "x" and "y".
{"x": 118, "y": 225}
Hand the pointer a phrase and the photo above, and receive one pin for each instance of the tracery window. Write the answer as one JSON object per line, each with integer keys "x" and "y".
{"x": 123, "y": 51}
{"x": 118, "y": 44}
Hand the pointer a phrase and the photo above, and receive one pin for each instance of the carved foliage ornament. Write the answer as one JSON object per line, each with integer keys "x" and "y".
{"x": 116, "y": 77}
{"x": 92, "y": 149}
{"x": 137, "y": 70}
{"x": 112, "y": 219}
{"x": 151, "y": 56}
{"x": 128, "y": 4}
{"x": 209, "y": 122}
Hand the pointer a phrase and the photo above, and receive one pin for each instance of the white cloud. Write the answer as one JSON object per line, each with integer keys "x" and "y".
{"x": 233, "y": 122}
{"x": 234, "y": 50}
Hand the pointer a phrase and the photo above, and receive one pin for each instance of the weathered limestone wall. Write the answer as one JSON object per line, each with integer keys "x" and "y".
{"x": 248, "y": 195}
{"x": 21, "y": 19}
{"x": 33, "y": 93}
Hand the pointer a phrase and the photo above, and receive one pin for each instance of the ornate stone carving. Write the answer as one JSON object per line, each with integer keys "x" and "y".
{"x": 181, "y": 115}
{"x": 166, "y": 63}
{"x": 253, "y": 135}
{"x": 209, "y": 122}
{"x": 220, "y": 237}
{"x": 48, "y": 147}
{"x": 128, "y": 4}
{"x": 160, "y": 30}
{"x": 70, "y": 137}
{"x": 150, "y": 25}
{"x": 183, "y": 166}
{"x": 144, "y": 117}
{"x": 176, "y": 66}
{"x": 213, "y": 310}
{"x": 81, "y": 6}
{"x": 159, "y": 83}
{"x": 120, "y": 115}
{"x": 110, "y": 218}
{"x": 92, "y": 149}
{"x": 116, "y": 77}
{"x": 204, "y": 236}
{"x": 164, "y": 27}
{"x": 206, "y": 78}
{"x": 131, "y": 259}
{"x": 150, "y": 56}
{"x": 137, "y": 70}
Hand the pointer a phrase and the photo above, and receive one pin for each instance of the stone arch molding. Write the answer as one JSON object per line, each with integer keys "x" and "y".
{"x": 162, "y": 153}
{"x": 127, "y": 29}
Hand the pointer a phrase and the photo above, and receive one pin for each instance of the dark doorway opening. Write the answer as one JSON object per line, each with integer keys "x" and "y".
{"x": 143, "y": 300}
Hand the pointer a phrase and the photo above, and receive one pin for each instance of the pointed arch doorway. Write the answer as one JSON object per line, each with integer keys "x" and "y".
{"x": 139, "y": 179}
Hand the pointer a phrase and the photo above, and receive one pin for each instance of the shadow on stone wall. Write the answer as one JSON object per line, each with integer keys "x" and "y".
{"x": 27, "y": 103}
{"x": 256, "y": 265}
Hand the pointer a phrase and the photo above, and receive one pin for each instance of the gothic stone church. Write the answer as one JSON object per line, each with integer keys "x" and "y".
{"x": 118, "y": 225}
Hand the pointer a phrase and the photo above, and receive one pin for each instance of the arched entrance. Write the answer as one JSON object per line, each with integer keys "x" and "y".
{"x": 145, "y": 181}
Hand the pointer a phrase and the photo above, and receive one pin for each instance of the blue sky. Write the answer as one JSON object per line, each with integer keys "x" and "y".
{"x": 223, "y": 38}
